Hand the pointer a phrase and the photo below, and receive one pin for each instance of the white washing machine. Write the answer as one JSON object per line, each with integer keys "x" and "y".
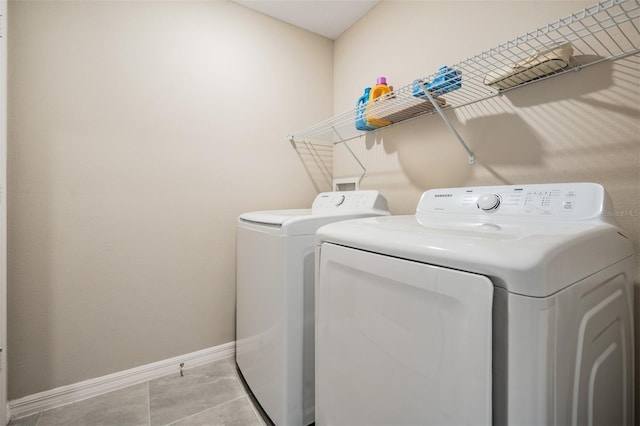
{"x": 492, "y": 305}
{"x": 275, "y": 299}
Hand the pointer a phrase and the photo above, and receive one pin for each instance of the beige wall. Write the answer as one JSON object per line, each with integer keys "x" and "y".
{"x": 138, "y": 131}
{"x": 582, "y": 126}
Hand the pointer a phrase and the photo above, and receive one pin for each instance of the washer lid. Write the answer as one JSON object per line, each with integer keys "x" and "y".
{"x": 537, "y": 241}
{"x": 275, "y": 218}
{"x": 327, "y": 207}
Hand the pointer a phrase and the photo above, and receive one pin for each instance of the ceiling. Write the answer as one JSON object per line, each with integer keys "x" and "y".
{"x": 329, "y": 18}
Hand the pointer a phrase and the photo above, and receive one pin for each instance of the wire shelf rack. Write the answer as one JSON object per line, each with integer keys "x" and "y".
{"x": 607, "y": 30}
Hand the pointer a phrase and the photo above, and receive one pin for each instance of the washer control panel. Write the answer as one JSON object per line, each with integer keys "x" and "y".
{"x": 564, "y": 200}
{"x": 349, "y": 200}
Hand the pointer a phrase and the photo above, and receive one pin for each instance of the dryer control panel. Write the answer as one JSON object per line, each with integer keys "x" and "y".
{"x": 349, "y": 200}
{"x": 564, "y": 200}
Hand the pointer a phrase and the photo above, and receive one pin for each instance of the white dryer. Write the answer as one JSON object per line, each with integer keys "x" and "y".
{"x": 492, "y": 305}
{"x": 275, "y": 299}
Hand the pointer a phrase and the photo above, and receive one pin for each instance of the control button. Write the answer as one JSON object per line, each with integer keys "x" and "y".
{"x": 338, "y": 200}
{"x": 488, "y": 202}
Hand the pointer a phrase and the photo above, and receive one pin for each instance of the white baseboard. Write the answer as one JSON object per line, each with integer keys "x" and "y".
{"x": 57, "y": 397}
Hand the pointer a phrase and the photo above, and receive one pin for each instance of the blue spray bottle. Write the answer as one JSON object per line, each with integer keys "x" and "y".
{"x": 361, "y": 107}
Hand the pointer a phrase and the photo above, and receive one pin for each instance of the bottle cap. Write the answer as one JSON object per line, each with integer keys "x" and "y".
{"x": 381, "y": 80}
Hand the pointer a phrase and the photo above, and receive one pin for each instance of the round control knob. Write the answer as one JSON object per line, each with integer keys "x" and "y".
{"x": 488, "y": 202}
{"x": 338, "y": 200}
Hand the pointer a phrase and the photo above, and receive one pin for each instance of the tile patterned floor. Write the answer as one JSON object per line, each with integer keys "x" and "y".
{"x": 212, "y": 394}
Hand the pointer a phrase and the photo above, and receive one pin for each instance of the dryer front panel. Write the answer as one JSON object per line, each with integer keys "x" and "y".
{"x": 400, "y": 342}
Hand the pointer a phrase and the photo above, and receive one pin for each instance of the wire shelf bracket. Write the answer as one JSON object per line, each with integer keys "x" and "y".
{"x": 472, "y": 158}
{"x": 344, "y": 142}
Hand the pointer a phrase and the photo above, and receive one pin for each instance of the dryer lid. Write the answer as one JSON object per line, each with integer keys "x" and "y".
{"x": 533, "y": 253}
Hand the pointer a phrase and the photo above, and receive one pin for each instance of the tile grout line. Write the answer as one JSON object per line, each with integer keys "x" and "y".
{"x": 255, "y": 412}
{"x": 243, "y": 394}
{"x": 204, "y": 411}
{"x": 39, "y": 417}
{"x": 248, "y": 396}
{"x": 148, "y": 404}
